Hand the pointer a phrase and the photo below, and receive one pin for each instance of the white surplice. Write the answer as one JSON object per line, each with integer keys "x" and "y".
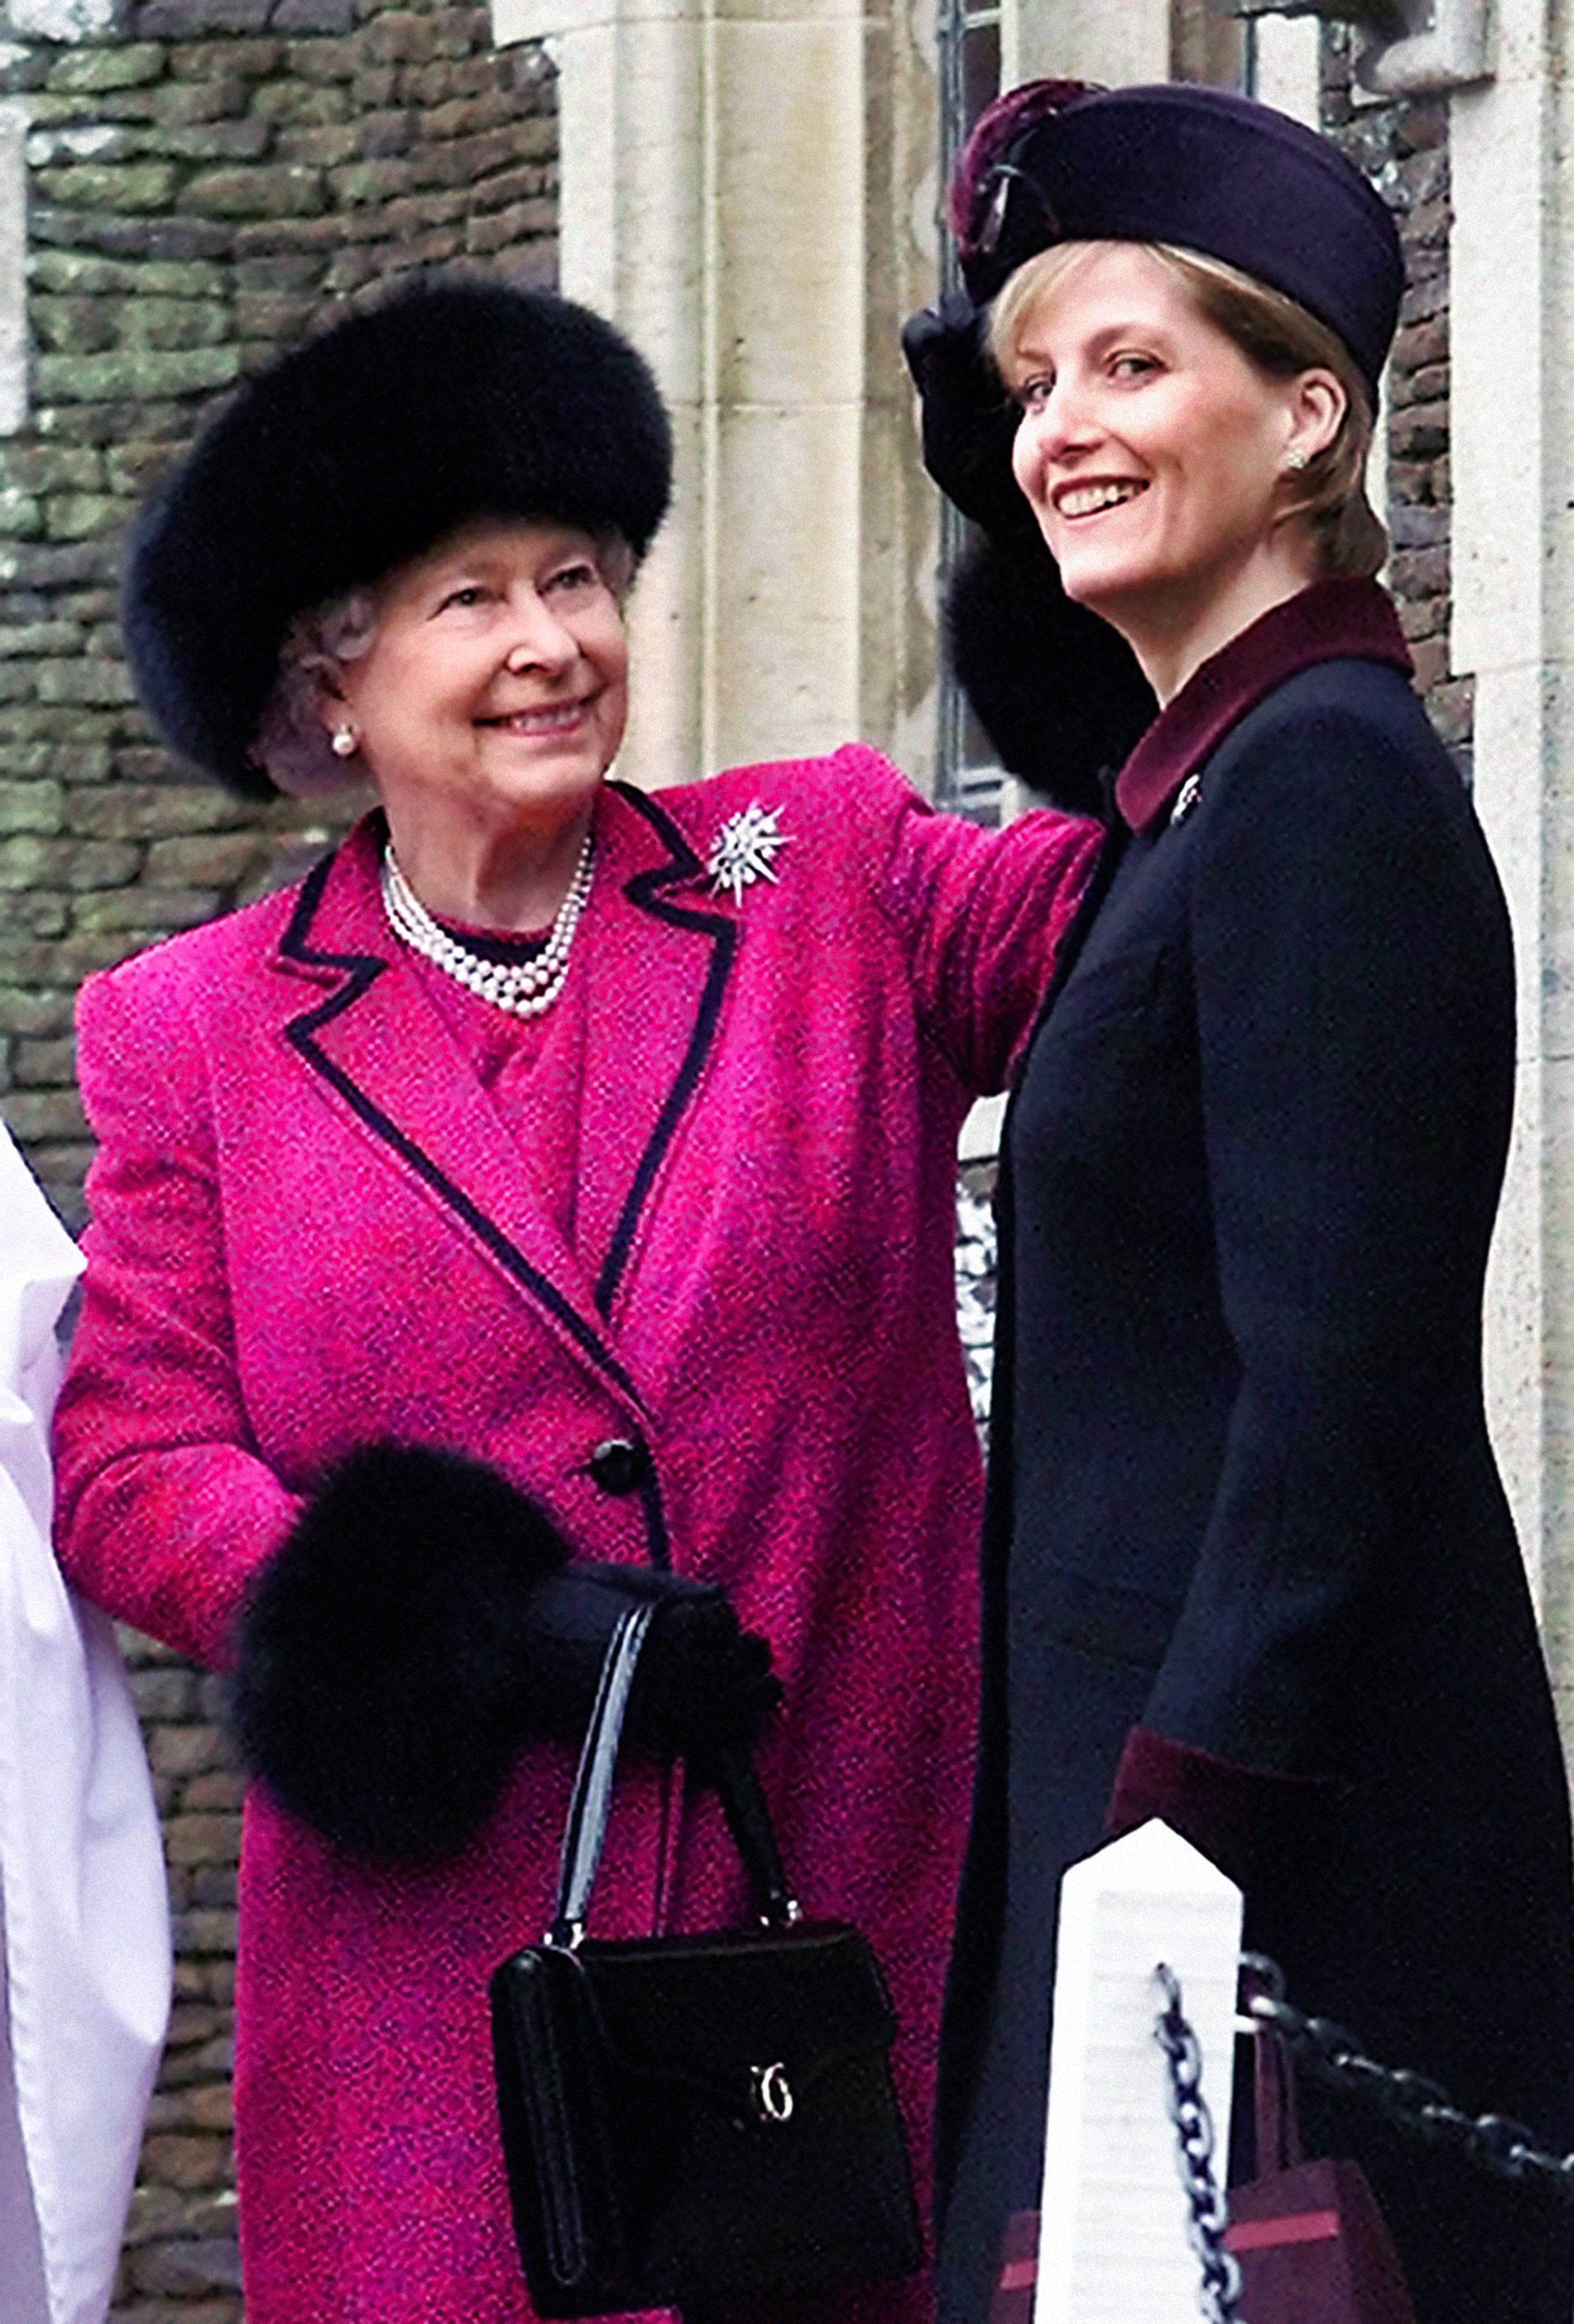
{"x": 84, "y": 1925}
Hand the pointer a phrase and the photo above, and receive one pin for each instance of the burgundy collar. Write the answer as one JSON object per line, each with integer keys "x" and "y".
{"x": 1336, "y": 619}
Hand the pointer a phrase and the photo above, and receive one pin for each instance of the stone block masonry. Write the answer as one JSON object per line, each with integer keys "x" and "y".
{"x": 180, "y": 2264}
{"x": 208, "y": 179}
{"x": 1403, "y": 146}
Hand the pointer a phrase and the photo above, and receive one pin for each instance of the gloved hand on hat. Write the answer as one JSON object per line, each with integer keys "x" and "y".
{"x": 969, "y": 420}
{"x": 1057, "y": 691}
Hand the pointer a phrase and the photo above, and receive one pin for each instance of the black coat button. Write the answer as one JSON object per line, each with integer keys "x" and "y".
{"x": 621, "y": 1464}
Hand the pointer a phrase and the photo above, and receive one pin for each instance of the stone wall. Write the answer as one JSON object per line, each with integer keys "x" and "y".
{"x": 1403, "y": 146}
{"x": 202, "y": 190}
{"x": 206, "y": 182}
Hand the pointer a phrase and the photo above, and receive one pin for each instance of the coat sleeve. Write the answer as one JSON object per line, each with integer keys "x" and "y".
{"x": 163, "y": 1508}
{"x": 1354, "y": 1018}
{"x": 980, "y": 913}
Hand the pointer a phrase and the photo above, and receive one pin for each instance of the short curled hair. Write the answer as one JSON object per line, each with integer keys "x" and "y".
{"x": 292, "y": 743}
{"x": 1281, "y": 339}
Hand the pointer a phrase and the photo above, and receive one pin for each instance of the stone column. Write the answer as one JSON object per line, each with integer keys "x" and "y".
{"x": 748, "y": 188}
{"x": 1092, "y": 39}
{"x": 1514, "y": 628}
{"x": 1290, "y": 68}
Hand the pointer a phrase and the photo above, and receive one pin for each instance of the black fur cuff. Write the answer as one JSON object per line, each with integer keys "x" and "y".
{"x": 1057, "y": 691}
{"x": 379, "y": 1688}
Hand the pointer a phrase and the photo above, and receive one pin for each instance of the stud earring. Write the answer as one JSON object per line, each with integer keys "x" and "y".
{"x": 1296, "y": 461}
{"x": 343, "y": 742}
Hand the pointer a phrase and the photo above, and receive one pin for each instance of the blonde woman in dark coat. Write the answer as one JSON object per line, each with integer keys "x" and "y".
{"x": 1247, "y": 1563}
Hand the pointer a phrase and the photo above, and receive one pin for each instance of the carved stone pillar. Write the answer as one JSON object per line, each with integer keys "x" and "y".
{"x": 1513, "y": 334}
{"x": 1090, "y": 40}
{"x": 748, "y": 188}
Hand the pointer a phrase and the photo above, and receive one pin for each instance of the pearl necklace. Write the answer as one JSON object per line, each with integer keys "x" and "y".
{"x": 524, "y": 988}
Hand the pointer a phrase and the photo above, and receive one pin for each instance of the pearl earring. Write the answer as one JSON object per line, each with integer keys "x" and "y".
{"x": 343, "y": 743}
{"x": 1297, "y": 460}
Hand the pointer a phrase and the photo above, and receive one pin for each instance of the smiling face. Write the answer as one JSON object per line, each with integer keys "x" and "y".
{"x": 1155, "y": 454}
{"x": 495, "y": 688}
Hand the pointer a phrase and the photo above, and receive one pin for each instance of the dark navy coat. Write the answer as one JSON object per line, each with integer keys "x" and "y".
{"x": 1246, "y": 1527}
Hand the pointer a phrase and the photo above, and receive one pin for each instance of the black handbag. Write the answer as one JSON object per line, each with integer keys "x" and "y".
{"x": 695, "y": 2121}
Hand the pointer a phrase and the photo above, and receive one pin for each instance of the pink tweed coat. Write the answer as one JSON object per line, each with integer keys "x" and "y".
{"x": 310, "y": 1229}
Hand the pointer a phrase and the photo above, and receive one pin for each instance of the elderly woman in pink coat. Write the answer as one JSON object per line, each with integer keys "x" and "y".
{"x": 548, "y": 1203}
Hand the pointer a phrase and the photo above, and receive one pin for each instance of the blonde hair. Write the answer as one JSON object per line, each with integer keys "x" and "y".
{"x": 1281, "y": 339}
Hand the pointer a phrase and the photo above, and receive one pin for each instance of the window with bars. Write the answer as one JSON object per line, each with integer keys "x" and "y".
{"x": 969, "y": 31}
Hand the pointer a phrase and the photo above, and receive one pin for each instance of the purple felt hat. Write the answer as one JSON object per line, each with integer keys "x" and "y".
{"x": 1059, "y": 161}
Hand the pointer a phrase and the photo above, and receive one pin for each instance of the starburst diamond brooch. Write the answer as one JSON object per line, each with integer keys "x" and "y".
{"x": 744, "y": 849}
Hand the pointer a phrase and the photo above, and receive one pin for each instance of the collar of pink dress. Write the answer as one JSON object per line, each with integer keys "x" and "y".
{"x": 1339, "y": 619}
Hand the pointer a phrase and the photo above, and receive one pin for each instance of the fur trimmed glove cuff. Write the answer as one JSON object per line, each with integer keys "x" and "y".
{"x": 422, "y": 1620}
{"x": 1057, "y": 691}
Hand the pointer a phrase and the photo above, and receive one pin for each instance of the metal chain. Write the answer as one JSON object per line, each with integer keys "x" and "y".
{"x": 1424, "y": 2110}
{"x": 1206, "y": 2217}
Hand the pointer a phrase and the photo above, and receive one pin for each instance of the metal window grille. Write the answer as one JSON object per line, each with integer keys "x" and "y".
{"x": 969, "y": 40}
{"x": 1249, "y": 58}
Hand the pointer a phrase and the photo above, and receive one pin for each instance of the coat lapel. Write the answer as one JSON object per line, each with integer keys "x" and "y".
{"x": 658, "y": 976}
{"x": 651, "y": 972}
{"x": 376, "y": 1044}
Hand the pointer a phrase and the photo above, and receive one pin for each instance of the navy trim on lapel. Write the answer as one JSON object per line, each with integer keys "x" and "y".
{"x": 360, "y": 971}
{"x": 644, "y": 889}
{"x": 653, "y": 1508}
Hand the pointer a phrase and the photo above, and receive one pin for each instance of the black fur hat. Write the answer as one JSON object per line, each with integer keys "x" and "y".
{"x": 360, "y": 448}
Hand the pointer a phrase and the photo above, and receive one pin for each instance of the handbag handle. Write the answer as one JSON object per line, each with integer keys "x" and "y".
{"x": 1278, "y": 2116}
{"x": 585, "y": 1831}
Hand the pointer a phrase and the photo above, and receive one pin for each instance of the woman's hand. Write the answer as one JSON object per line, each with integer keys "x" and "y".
{"x": 969, "y": 422}
{"x": 703, "y": 1682}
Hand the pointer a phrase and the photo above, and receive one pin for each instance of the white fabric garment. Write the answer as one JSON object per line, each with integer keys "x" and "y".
{"x": 85, "y": 1958}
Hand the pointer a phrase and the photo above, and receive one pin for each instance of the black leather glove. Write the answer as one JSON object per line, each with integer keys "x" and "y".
{"x": 422, "y": 1620}
{"x": 702, "y": 1682}
{"x": 969, "y": 420}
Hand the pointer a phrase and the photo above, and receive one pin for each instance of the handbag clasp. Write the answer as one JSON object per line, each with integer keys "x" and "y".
{"x": 770, "y": 2093}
